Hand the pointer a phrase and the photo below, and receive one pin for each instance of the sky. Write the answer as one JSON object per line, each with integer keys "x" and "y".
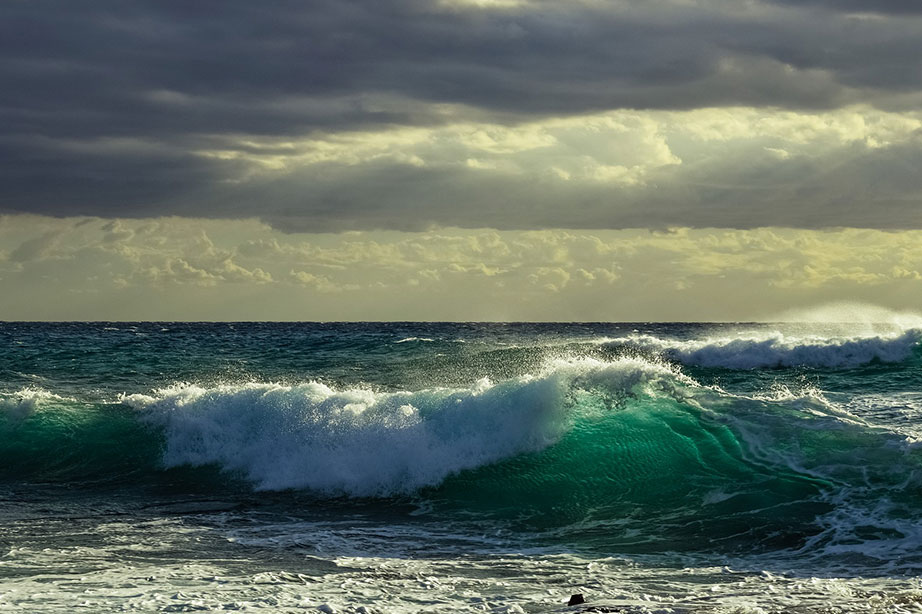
{"x": 458, "y": 159}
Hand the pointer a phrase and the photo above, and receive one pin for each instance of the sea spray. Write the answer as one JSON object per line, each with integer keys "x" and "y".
{"x": 850, "y": 318}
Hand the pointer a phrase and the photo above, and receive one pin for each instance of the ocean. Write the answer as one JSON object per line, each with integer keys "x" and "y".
{"x": 451, "y": 467}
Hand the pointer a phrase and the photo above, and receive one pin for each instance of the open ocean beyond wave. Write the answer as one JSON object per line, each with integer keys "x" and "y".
{"x": 412, "y": 467}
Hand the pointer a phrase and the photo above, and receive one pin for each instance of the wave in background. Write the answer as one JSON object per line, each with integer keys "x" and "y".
{"x": 834, "y": 335}
{"x": 774, "y": 349}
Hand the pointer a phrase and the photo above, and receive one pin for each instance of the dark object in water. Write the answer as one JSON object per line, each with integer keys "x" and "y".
{"x": 576, "y": 599}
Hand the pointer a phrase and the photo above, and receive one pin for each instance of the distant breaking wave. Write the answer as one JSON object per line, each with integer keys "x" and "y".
{"x": 778, "y": 350}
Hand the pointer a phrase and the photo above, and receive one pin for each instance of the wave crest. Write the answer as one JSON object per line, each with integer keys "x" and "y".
{"x": 361, "y": 442}
{"x": 779, "y": 350}
{"x": 22, "y": 403}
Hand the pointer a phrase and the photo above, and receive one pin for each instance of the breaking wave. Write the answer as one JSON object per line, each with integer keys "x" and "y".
{"x": 628, "y": 451}
{"x": 360, "y": 442}
{"x": 775, "y": 350}
{"x": 22, "y": 403}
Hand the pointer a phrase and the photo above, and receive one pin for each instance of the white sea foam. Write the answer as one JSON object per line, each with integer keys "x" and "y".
{"x": 901, "y": 411}
{"x": 22, "y": 403}
{"x": 360, "y": 442}
{"x": 776, "y": 349}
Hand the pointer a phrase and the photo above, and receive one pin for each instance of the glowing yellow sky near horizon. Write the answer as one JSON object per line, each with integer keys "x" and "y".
{"x": 194, "y": 269}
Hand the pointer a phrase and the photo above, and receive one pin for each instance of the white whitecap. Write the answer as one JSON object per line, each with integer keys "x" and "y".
{"x": 361, "y": 442}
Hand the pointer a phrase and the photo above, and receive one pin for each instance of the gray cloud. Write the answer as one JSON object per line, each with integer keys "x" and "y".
{"x": 104, "y": 104}
{"x": 863, "y": 189}
{"x": 896, "y": 7}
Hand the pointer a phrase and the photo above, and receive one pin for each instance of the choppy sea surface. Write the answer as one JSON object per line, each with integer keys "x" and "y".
{"x": 416, "y": 467}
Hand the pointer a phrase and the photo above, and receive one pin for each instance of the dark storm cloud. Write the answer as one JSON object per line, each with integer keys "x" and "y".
{"x": 104, "y": 102}
{"x": 43, "y": 176}
{"x": 168, "y": 67}
{"x": 896, "y": 7}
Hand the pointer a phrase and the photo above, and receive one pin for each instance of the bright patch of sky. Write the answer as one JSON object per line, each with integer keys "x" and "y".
{"x": 182, "y": 269}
